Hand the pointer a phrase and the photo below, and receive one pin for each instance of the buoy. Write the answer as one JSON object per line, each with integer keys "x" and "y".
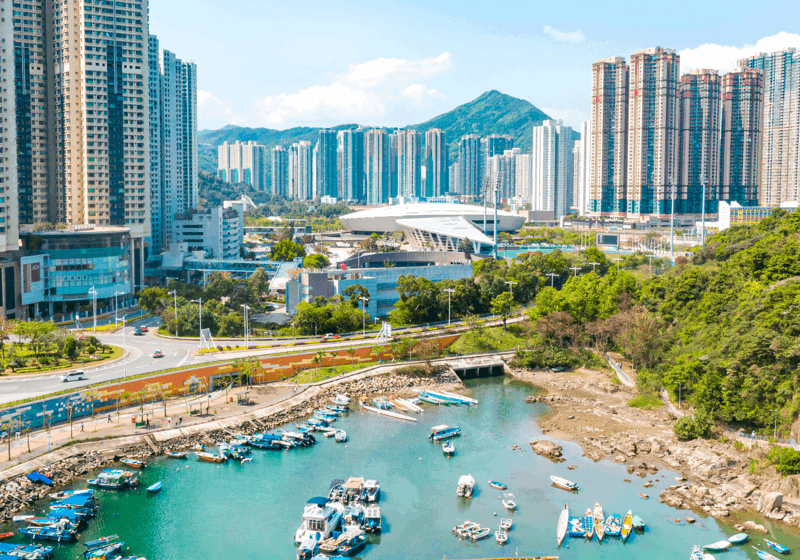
{"x": 187, "y": 466}
{"x": 495, "y": 514}
{"x": 420, "y": 458}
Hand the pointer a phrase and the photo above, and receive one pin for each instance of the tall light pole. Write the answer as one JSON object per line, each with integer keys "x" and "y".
{"x": 552, "y": 276}
{"x": 94, "y": 307}
{"x": 124, "y": 359}
{"x": 246, "y": 325}
{"x": 575, "y": 269}
{"x": 617, "y": 260}
{"x": 775, "y": 433}
{"x": 175, "y": 295}
{"x": 594, "y": 264}
{"x": 363, "y": 315}
{"x": 200, "y": 302}
{"x": 116, "y": 306}
{"x": 511, "y": 287}
{"x": 450, "y": 292}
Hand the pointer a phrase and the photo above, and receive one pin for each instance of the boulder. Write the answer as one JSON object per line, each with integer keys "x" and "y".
{"x": 548, "y": 449}
{"x": 753, "y": 526}
{"x": 770, "y": 502}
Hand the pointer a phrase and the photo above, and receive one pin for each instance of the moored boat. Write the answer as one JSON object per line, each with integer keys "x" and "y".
{"x": 106, "y": 551}
{"x": 371, "y": 492}
{"x": 308, "y": 549}
{"x": 577, "y": 528}
{"x": 481, "y": 533}
{"x": 717, "y": 546}
{"x": 155, "y": 488}
{"x": 413, "y": 407}
{"x": 448, "y": 448}
{"x": 102, "y": 541}
{"x": 134, "y": 463}
{"x": 114, "y": 480}
{"x": 61, "y": 532}
{"x": 588, "y": 522}
{"x": 176, "y": 454}
{"x": 638, "y": 523}
{"x": 563, "y": 525}
{"x": 21, "y": 518}
{"x": 501, "y": 537}
{"x": 210, "y": 457}
{"x": 764, "y": 555}
{"x": 738, "y": 538}
{"x": 510, "y": 505}
{"x": 497, "y": 485}
{"x": 563, "y": 483}
{"x": 31, "y": 551}
{"x": 627, "y": 526}
{"x": 466, "y": 486}
{"x": 777, "y": 546}
{"x": 613, "y": 525}
{"x": 444, "y": 431}
{"x": 355, "y": 542}
{"x": 340, "y": 436}
{"x": 321, "y": 517}
{"x": 506, "y": 523}
{"x": 64, "y": 494}
{"x": 696, "y": 554}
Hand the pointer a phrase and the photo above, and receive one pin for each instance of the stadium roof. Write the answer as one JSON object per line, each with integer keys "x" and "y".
{"x": 384, "y": 219}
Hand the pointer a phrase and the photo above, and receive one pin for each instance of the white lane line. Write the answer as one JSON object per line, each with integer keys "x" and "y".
{"x": 184, "y": 359}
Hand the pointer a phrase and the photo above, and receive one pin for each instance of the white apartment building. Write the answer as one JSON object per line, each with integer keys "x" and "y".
{"x": 243, "y": 162}
{"x": 301, "y": 170}
{"x": 218, "y": 231}
{"x": 409, "y": 163}
{"x": 552, "y": 167}
{"x": 582, "y": 170}
{"x": 376, "y": 166}
{"x": 523, "y": 176}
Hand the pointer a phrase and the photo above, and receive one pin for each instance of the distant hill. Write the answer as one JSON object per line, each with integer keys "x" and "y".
{"x": 491, "y": 113}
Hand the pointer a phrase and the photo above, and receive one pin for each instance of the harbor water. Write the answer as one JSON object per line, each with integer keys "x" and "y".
{"x": 235, "y": 511}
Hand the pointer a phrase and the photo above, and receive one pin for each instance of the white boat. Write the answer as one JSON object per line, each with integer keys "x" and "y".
{"x": 599, "y": 522}
{"x": 320, "y": 518}
{"x": 308, "y": 549}
{"x": 481, "y": 534}
{"x": 389, "y": 413}
{"x": 448, "y": 448}
{"x": 462, "y": 398}
{"x": 563, "y": 524}
{"x": 501, "y": 537}
{"x": 342, "y": 397}
{"x": 506, "y": 524}
{"x": 340, "y": 436}
{"x": 718, "y": 546}
{"x": 563, "y": 483}
{"x": 409, "y": 405}
{"x": 21, "y": 518}
{"x": 466, "y": 486}
{"x": 510, "y": 505}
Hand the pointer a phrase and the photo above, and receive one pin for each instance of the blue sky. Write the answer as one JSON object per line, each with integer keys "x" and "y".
{"x": 393, "y": 63}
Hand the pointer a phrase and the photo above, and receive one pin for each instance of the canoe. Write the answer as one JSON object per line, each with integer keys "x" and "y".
{"x": 776, "y": 546}
{"x": 589, "y": 523}
{"x": 563, "y": 524}
{"x": 627, "y": 525}
{"x": 498, "y": 485}
{"x": 599, "y": 522}
{"x": 764, "y": 555}
{"x": 154, "y": 488}
{"x": 717, "y": 546}
{"x": 738, "y": 538}
{"x": 176, "y": 454}
{"x": 135, "y": 463}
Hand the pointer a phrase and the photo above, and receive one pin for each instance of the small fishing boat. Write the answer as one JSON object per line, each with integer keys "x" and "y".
{"x": 501, "y": 537}
{"x": 717, "y": 546}
{"x": 481, "y": 534}
{"x": 614, "y": 525}
{"x": 371, "y": 492}
{"x": 64, "y": 494}
{"x": 4, "y": 536}
{"x": 509, "y": 505}
{"x": 506, "y": 523}
{"x": 317, "y": 422}
{"x": 599, "y": 522}
{"x": 210, "y": 457}
{"x": 563, "y": 483}
{"x": 439, "y": 433}
{"x": 627, "y": 526}
{"x": 498, "y": 485}
{"x": 410, "y": 406}
{"x": 466, "y": 486}
{"x": 340, "y": 436}
{"x": 577, "y": 529}
{"x": 114, "y": 480}
{"x": 102, "y": 541}
{"x": 588, "y": 520}
{"x": 308, "y": 549}
{"x": 448, "y": 448}
{"x": 42, "y": 521}
{"x": 696, "y": 554}
{"x": 63, "y": 532}
{"x": 563, "y": 525}
{"x": 21, "y": 518}
{"x": 337, "y": 407}
{"x": 638, "y": 523}
{"x": 155, "y": 488}
{"x": 134, "y": 463}
{"x": 738, "y": 538}
{"x": 176, "y": 454}
{"x": 776, "y": 546}
{"x": 383, "y": 404}
{"x": 198, "y": 447}
{"x": 764, "y": 555}
{"x": 107, "y": 551}
{"x": 353, "y": 545}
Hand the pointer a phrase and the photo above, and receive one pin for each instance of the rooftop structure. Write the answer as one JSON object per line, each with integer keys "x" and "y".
{"x": 385, "y": 218}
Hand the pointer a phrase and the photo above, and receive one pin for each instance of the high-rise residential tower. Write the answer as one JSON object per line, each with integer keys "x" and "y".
{"x": 780, "y": 173}
{"x": 154, "y": 84}
{"x": 436, "y": 163}
{"x": 376, "y": 166}
{"x": 301, "y": 170}
{"x": 523, "y": 175}
{"x": 653, "y": 131}
{"x": 699, "y": 156}
{"x": 608, "y": 143}
{"x": 742, "y": 118}
{"x": 493, "y": 145}
{"x": 552, "y": 167}
{"x": 243, "y": 162}
{"x": 280, "y": 171}
{"x": 470, "y": 165}
{"x": 9, "y": 217}
{"x": 351, "y": 164}
{"x": 326, "y": 173}
{"x": 454, "y": 176}
{"x": 409, "y": 163}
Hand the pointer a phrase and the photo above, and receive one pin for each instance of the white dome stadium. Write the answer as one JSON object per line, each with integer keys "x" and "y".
{"x": 384, "y": 219}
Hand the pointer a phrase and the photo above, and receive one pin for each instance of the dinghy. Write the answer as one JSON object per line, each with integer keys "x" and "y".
{"x": 764, "y": 555}
{"x": 738, "y": 538}
{"x": 614, "y": 525}
{"x": 563, "y": 524}
{"x": 176, "y": 454}
{"x": 155, "y": 488}
{"x": 627, "y": 525}
{"x": 506, "y": 524}
{"x": 696, "y": 554}
{"x": 563, "y": 483}
{"x": 135, "y": 463}
{"x": 510, "y": 505}
{"x": 576, "y": 527}
{"x": 599, "y": 522}
{"x": 776, "y": 546}
{"x": 498, "y": 485}
{"x": 638, "y": 523}
{"x": 718, "y": 546}
{"x": 588, "y": 520}
{"x": 448, "y": 448}
{"x": 501, "y": 537}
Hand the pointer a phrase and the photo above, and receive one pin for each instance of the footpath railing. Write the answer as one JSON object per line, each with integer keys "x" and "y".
{"x": 760, "y": 437}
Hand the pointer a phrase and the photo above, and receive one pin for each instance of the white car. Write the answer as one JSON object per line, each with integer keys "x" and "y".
{"x": 73, "y": 376}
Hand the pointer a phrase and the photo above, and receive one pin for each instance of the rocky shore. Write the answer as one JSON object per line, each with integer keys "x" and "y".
{"x": 19, "y": 494}
{"x": 591, "y": 410}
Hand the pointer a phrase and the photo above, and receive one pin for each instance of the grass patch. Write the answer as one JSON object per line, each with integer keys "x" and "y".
{"x": 646, "y": 401}
{"x": 63, "y": 363}
{"x": 324, "y": 373}
{"x": 488, "y": 339}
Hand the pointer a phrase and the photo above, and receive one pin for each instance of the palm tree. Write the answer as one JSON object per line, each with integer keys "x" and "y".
{"x": 333, "y": 355}
{"x": 352, "y": 352}
{"x": 317, "y": 359}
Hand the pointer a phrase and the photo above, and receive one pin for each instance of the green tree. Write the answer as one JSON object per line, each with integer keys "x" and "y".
{"x": 71, "y": 349}
{"x": 354, "y": 294}
{"x": 502, "y": 305}
{"x": 420, "y": 301}
{"x": 259, "y": 282}
{"x": 36, "y": 332}
{"x": 287, "y": 250}
{"x": 316, "y": 261}
{"x": 153, "y": 299}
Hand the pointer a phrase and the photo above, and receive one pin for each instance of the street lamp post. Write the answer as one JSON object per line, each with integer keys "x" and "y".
{"x": 175, "y": 294}
{"x": 450, "y": 292}
{"x": 617, "y": 261}
{"x": 775, "y": 433}
{"x": 363, "y": 315}
{"x": 575, "y": 269}
{"x": 594, "y": 264}
{"x": 511, "y": 287}
{"x": 94, "y": 307}
{"x": 199, "y": 301}
{"x": 246, "y": 325}
{"x": 552, "y": 276}
{"x": 124, "y": 359}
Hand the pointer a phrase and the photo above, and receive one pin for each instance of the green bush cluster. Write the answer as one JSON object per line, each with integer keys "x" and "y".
{"x": 785, "y": 460}
{"x": 693, "y": 427}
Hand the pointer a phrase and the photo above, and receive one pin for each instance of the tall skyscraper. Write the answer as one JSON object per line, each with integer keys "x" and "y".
{"x": 523, "y": 175}
{"x": 280, "y": 171}
{"x": 409, "y": 163}
{"x": 326, "y": 173}
{"x": 394, "y": 141}
{"x": 742, "y": 118}
{"x": 780, "y": 176}
{"x": 436, "y": 163}
{"x": 351, "y": 164}
{"x": 9, "y": 220}
{"x": 376, "y": 166}
{"x": 653, "y": 131}
{"x": 699, "y": 159}
{"x": 609, "y": 137}
{"x": 501, "y": 173}
{"x": 455, "y": 178}
{"x": 154, "y": 86}
{"x": 576, "y": 174}
{"x": 552, "y": 167}
{"x": 470, "y": 165}
{"x": 582, "y": 159}
{"x": 243, "y": 162}
{"x": 301, "y": 170}
{"x": 493, "y": 145}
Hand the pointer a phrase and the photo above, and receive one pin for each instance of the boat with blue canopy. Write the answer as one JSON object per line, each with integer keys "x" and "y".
{"x": 32, "y": 551}
{"x": 444, "y": 431}
{"x": 105, "y": 551}
{"x": 777, "y": 546}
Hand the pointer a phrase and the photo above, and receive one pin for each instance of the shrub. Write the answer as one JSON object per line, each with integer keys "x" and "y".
{"x": 785, "y": 460}
{"x": 71, "y": 348}
{"x": 692, "y": 427}
{"x": 646, "y": 401}
{"x": 91, "y": 349}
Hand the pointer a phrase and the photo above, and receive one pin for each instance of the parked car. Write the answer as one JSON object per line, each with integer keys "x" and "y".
{"x": 158, "y": 354}
{"x": 137, "y": 331}
{"x": 73, "y": 376}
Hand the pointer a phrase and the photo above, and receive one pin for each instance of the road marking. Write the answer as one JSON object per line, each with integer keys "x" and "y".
{"x": 184, "y": 359}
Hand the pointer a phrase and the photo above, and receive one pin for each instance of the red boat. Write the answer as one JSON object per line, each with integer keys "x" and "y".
{"x": 4, "y": 536}
{"x": 135, "y": 463}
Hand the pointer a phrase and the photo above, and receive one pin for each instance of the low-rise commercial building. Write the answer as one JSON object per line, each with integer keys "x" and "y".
{"x": 734, "y": 214}
{"x": 219, "y": 231}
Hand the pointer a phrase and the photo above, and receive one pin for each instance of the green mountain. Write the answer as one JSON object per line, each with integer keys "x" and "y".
{"x": 491, "y": 113}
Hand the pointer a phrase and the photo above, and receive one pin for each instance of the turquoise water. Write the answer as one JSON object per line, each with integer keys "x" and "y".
{"x": 252, "y": 510}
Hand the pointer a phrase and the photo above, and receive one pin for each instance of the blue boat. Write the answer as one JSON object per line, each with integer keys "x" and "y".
{"x": 308, "y": 549}
{"x": 155, "y": 488}
{"x": 77, "y": 501}
{"x": 75, "y": 516}
{"x": 56, "y": 533}
{"x": 266, "y": 444}
{"x": 614, "y": 525}
{"x": 317, "y": 422}
{"x": 576, "y": 528}
{"x": 372, "y": 519}
{"x": 383, "y": 404}
{"x": 102, "y": 541}
{"x": 777, "y": 546}
{"x": 738, "y": 538}
{"x": 35, "y": 551}
{"x": 443, "y": 432}
{"x": 764, "y": 555}
{"x": 337, "y": 407}
{"x": 106, "y": 551}
{"x": 327, "y": 413}
{"x": 353, "y": 545}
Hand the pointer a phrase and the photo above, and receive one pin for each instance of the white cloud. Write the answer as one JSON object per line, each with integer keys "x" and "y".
{"x": 210, "y": 108}
{"x": 726, "y": 57}
{"x": 364, "y": 93}
{"x": 564, "y": 36}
